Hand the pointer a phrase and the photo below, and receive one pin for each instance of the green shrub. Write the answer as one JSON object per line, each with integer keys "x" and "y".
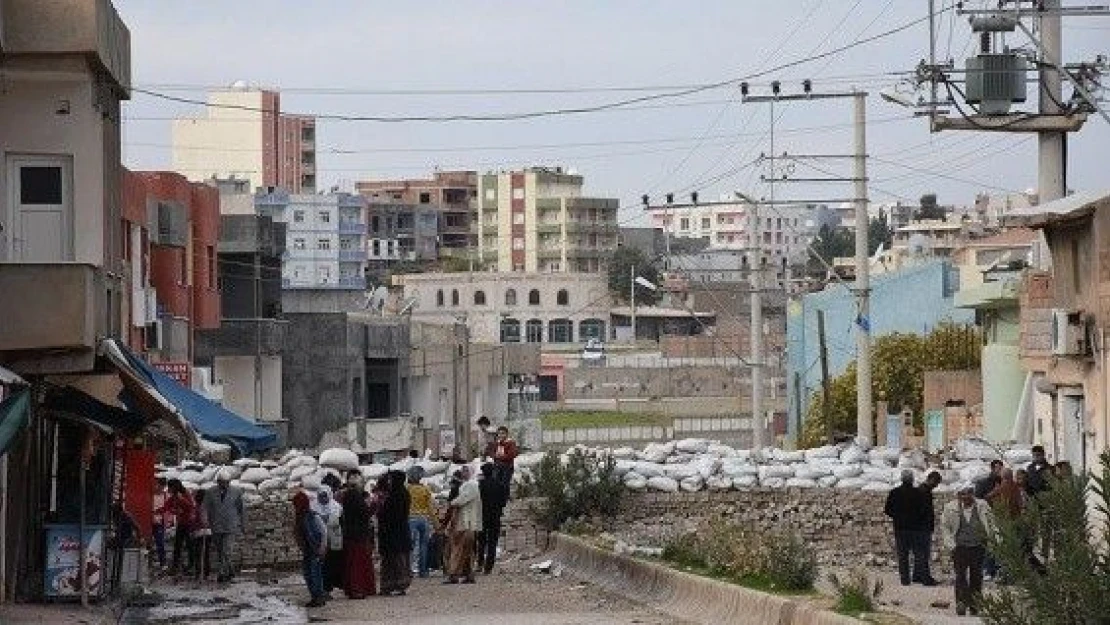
{"x": 855, "y": 594}
{"x": 760, "y": 559}
{"x": 585, "y": 486}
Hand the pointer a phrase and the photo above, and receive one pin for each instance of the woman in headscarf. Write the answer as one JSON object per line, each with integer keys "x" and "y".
{"x": 358, "y": 540}
{"x": 394, "y": 540}
{"x": 331, "y": 512}
{"x": 311, "y": 535}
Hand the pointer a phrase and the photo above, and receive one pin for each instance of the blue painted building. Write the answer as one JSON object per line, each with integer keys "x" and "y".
{"x": 915, "y": 299}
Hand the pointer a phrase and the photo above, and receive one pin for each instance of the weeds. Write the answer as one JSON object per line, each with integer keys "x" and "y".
{"x": 855, "y": 594}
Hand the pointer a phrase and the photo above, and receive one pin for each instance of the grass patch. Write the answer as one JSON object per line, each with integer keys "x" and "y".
{"x": 571, "y": 419}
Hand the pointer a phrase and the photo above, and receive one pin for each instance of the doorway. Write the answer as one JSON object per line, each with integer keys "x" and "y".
{"x": 38, "y": 226}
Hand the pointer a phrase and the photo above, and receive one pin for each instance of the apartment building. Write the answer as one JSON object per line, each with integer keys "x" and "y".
{"x": 537, "y": 220}
{"x": 785, "y": 231}
{"x": 244, "y": 134}
{"x": 402, "y": 232}
{"x": 325, "y": 239}
{"x": 448, "y": 192}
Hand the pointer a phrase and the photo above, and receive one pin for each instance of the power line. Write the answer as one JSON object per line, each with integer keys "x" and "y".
{"x": 524, "y": 115}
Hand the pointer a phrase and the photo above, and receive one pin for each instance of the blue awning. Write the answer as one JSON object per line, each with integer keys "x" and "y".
{"x": 211, "y": 420}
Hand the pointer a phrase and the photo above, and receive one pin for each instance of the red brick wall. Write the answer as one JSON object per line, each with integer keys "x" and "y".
{"x": 204, "y": 212}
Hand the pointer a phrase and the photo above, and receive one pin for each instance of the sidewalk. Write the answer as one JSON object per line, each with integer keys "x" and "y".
{"x": 56, "y": 614}
{"x": 915, "y": 601}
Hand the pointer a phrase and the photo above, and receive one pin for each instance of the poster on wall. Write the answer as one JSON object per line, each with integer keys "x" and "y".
{"x": 446, "y": 441}
{"x": 181, "y": 372}
{"x": 63, "y": 572}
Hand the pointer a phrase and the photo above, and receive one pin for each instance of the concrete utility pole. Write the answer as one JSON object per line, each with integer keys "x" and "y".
{"x": 863, "y": 278}
{"x": 632, "y": 299}
{"x": 1051, "y": 146}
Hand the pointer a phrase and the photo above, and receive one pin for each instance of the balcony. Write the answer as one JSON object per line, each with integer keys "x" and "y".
{"x": 345, "y": 283}
{"x": 591, "y": 227}
{"x": 549, "y": 253}
{"x": 352, "y": 227}
{"x": 61, "y": 309}
{"x": 241, "y": 337}
{"x": 352, "y": 256}
{"x": 549, "y": 228}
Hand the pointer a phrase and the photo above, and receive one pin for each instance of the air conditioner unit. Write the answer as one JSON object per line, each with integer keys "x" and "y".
{"x": 1067, "y": 333}
{"x": 154, "y": 335}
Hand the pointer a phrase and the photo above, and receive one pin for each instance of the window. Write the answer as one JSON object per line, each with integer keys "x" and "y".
{"x": 560, "y": 331}
{"x": 389, "y": 247}
{"x": 425, "y": 198}
{"x": 211, "y": 250}
{"x": 323, "y": 244}
{"x": 533, "y": 331}
{"x": 377, "y": 247}
{"x": 374, "y": 224}
{"x": 454, "y": 297}
{"x": 439, "y": 296}
{"x": 491, "y": 193}
{"x": 518, "y": 219}
{"x": 325, "y": 217}
{"x": 518, "y": 193}
{"x": 323, "y": 274}
{"x": 479, "y": 298}
{"x": 298, "y": 217}
{"x": 562, "y": 298}
{"x": 591, "y": 329}
{"x": 534, "y": 297}
{"x": 356, "y": 396}
{"x": 298, "y": 243}
{"x": 684, "y": 223}
{"x": 510, "y": 331}
{"x": 518, "y": 243}
{"x": 40, "y": 185}
{"x": 510, "y": 297}
{"x": 706, "y": 223}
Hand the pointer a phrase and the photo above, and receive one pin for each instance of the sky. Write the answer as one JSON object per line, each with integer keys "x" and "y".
{"x": 351, "y": 57}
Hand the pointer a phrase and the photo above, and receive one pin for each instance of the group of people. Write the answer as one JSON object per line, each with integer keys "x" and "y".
{"x": 201, "y": 522}
{"x": 966, "y": 524}
{"x": 340, "y": 526}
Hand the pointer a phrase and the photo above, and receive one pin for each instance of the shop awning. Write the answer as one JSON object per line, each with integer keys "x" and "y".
{"x": 86, "y": 408}
{"x": 211, "y": 420}
{"x": 14, "y": 411}
{"x": 10, "y": 377}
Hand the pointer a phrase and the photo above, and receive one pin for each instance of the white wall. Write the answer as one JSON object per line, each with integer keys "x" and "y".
{"x": 236, "y": 374}
{"x": 271, "y": 388}
{"x": 29, "y": 125}
{"x": 227, "y": 142}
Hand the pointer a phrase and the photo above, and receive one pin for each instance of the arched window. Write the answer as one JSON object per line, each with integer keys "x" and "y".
{"x": 454, "y": 297}
{"x": 533, "y": 331}
{"x": 591, "y": 329}
{"x": 560, "y": 331}
{"x": 439, "y": 298}
{"x": 510, "y": 297}
{"x": 479, "y": 298}
{"x": 510, "y": 331}
{"x": 562, "y": 298}
{"x": 534, "y": 297}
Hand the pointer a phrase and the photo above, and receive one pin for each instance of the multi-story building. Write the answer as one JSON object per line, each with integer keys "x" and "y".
{"x": 325, "y": 239}
{"x": 537, "y": 220}
{"x": 402, "y": 232}
{"x": 448, "y": 192}
{"x": 245, "y": 134}
{"x": 786, "y": 231}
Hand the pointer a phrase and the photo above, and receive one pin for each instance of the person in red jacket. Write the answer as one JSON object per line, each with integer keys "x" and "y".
{"x": 504, "y": 456}
{"x": 181, "y": 505}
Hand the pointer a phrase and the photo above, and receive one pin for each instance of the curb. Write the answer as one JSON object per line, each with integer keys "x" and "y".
{"x": 684, "y": 595}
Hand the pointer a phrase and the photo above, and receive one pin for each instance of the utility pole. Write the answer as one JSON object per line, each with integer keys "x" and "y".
{"x": 826, "y": 408}
{"x": 863, "y": 279}
{"x": 632, "y": 299}
{"x": 1051, "y": 146}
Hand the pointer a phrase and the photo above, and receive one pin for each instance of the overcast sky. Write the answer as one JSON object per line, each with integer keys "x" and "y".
{"x": 699, "y": 142}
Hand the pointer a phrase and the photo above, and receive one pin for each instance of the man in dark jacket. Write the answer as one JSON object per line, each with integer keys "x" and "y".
{"x": 494, "y": 497}
{"x": 985, "y": 485}
{"x": 905, "y": 505}
{"x": 1037, "y": 473}
{"x": 923, "y": 542}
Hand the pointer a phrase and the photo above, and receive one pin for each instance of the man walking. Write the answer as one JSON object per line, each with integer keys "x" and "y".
{"x": 965, "y": 526}
{"x": 494, "y": 497}
{"x": 905, "y": 506}
{"x": 1038, "y": 472}
{"x": 923, "y": 541}
{"x": 224, "y": 505}
{"x": 465, "y": 524}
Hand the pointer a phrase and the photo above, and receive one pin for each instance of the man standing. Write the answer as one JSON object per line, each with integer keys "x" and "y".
{"x": 965, "y": 526}
{"x": 224, "y": 505}
{"x": 1037, "y": 472}
{"x": 465, "y": 523}
{"x": 504, "y": 457}
{"x": 923, "y": 543}
{"x": 905, "y": 506}
{"x": 494, "y": 497}
{"x": 986, "y": 485}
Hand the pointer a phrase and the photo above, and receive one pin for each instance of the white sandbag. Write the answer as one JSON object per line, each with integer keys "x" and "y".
{"x": 300, "y": 473}
{"x": 271, "y": 484}
{"x": 692, "y": 445}
{"x": 339, "y": 458}
{"x": 632, "y": 476}
{"x": 436, "y": 467}
{"x": 268, "y": 464}
{"x": 192, "y": 465}
{"x": 827, "y": 482}
{"x": 634, "y": 481}
{"x": 246, "y": 463}
{"x": 780, "y": 455}
{"x": 771, "y": 471}
{"x": 373, "y": 471}
{"x": 884, "y": 456}
{"x": 311, "y": 483}
{"x": 663, "y": 484}
{"x": 624, "y": 453}
{"x": 974, "y": 471}
{"x": 190, "y": 486}
{"x": 797, "y": 482}
{"x": 247, "y": 487}
{"x": 912, "y": 459}
{"x": 649, "y": 469}
{"x": 281, "y": 471}
{"x": 721, "y": 451}
{"x": 232, "y": 472}
{"x": 622, "y": 467}
{"x": 745, "y": 481}
{"x": 975, "y": 450}
{"x": 209, "y": 473}
{"x": 738, "y": 469}
{"x": 303, "y": 461}
{"x": 255, "y": 475}
{"x": 828, "y": 451}
{"x": 876, "y": 474}
{"x": 289, "y": 455}
{"x": 773, "y": 482}
{"x": 654, "y": 452}
{"x": 853, "y": 454}
{"x": 403, "y": 465}
{"x": 190, "y": 476}
{"x": 719, "y": 482}
{"x": 679, "y": 471}
{"x": 847, "y": 471}
{"x": 851, "y": 482}
{"x": 743, "y": 455}
{"x": 692, "y": 484}
{"x": 1018, "y": 456}
{"x": 679, "y": 457}
{"x": 812, "y": 471}
{"x": 707, "y": 466}
{"x": 880, "y": 487}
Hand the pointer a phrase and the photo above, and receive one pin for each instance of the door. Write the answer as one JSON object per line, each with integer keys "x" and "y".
{"x": 1072, "y": 431}
{"x": 39, "y": 223}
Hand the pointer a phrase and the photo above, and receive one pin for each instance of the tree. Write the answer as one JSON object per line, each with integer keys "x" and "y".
{"x": 620, "y": 264}
{"x": 929, "y": 208}
{"x": 1069, "y": 587}
{"x": 898, "y": 365}
{"x": 830, "y": 243}
{"x": 878, "y": 233}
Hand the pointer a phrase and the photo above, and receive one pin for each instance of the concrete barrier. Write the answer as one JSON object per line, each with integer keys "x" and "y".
{"x": 683, "y": 595}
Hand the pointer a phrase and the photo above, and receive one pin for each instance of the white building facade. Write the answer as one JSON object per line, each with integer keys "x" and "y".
{"x": 325, "y": 240}
{"x": 785, "y": 231}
